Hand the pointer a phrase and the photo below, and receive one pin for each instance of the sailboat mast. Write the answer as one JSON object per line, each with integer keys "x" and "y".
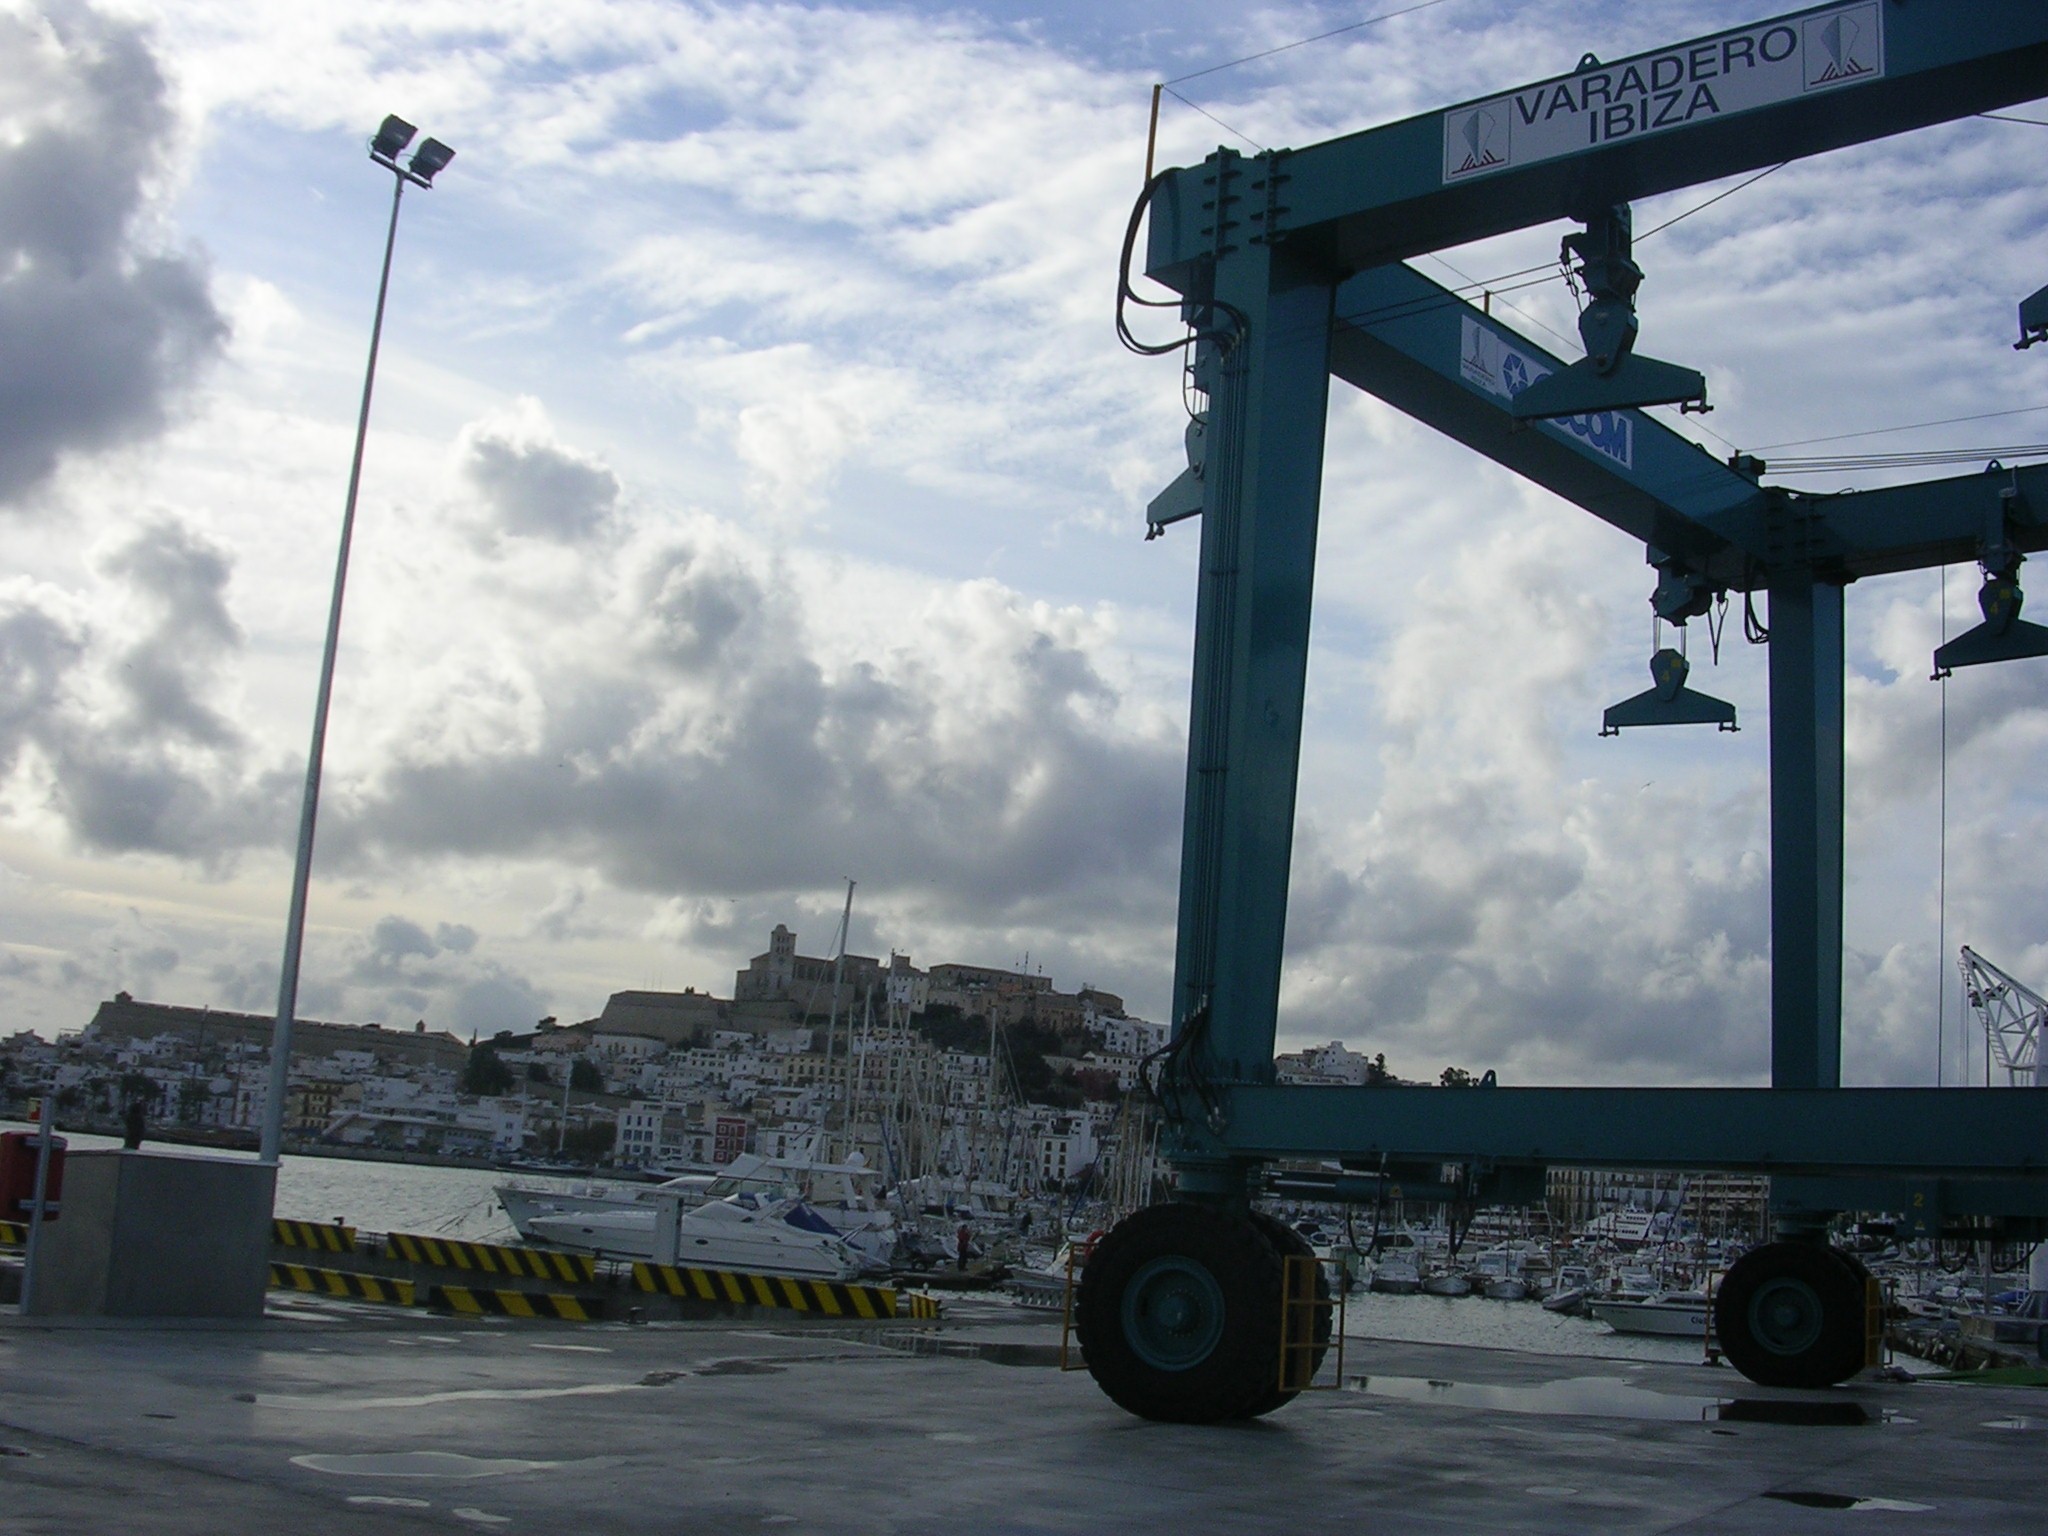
{"x": 832, "y": 1019}
{"x": 857, "y": 1062}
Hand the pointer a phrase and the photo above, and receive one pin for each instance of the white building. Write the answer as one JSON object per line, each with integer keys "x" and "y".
{"x": 1332, "y": 1065}
{"x": 625, "y": 1048}
{"x": 1066, "y": 1146}
{"x": 639, "y": 1133}
{"x": 1132, "y": 1037}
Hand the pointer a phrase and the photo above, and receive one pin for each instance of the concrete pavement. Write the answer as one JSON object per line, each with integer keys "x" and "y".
{"x": 351, "y": 1418}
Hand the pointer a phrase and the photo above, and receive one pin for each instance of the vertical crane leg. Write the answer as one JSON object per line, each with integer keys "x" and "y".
{"x": 1269, "y": 399}
{"x": 1179, "y": 1311}
{"x": 1806, "y": 832}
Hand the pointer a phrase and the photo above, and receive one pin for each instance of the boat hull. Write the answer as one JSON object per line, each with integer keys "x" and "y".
{"x": 1687, "y": 1320}
{"x": 719, "y": 1236}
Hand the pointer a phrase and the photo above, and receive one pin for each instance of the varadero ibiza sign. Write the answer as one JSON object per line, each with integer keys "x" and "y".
{"x": 1714, "y": 77}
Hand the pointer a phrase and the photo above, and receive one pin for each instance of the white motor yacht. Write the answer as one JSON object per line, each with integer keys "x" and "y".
{"x": 525, "y": 1203}
{"x": 1396, "y": 1274}
{"x": 844, "y": 1194}
{"x": 746, "y": 1232}
{"x": 1681, "y": 1313}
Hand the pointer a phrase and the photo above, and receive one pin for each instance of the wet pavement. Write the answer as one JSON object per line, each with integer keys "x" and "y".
{"x": 351, "y": 1418}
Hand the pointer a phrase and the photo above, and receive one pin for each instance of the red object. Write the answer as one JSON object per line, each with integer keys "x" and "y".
{"x": 18, "y": 1153}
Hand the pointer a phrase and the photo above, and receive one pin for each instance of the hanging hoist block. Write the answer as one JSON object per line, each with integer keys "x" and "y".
{"x": 1582, "y": 390}
{"x": 1611, "y": 376}
{"x": 1670, "y": 702}
{"x": 2003, "y": 636}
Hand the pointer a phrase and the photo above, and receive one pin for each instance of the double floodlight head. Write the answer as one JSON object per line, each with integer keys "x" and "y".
{"x": 427, "y": 161}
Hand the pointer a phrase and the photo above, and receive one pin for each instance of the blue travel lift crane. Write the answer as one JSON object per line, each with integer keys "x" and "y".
{"x": 1290, "y": 266}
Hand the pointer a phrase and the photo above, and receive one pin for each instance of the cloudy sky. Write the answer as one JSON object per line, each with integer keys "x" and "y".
{"x": 754, "y": 499}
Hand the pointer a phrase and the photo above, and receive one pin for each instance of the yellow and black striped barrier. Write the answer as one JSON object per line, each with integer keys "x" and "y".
{"x": 745, "y": 1290}
{"x": 13, "y": 1234}
{"x": 335, "y": 1282}
{"x": 474, "y": 1302}
{"x": 492, "y": 1258}
{"x": 327, "y": 1237}
{"x": 921, "y": 1304}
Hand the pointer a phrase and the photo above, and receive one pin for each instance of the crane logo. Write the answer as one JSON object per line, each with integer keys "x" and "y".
{"x": 1842, "y": 47}
{"x": 1481, "y": 132}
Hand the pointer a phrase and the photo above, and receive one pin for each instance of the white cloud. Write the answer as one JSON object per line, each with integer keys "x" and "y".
{"x": 102, "y": 329}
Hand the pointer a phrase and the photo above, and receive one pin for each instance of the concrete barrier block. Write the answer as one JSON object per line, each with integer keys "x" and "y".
{"x": 156, "y": 1234}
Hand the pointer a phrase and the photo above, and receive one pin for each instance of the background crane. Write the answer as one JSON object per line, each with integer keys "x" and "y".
{"x": 2011, "y": 1013}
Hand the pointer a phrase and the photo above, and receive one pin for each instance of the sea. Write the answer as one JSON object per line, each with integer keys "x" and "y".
{"x": 462, "y": 1202}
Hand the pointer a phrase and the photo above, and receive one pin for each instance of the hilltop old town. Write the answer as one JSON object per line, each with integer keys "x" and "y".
{"x": 959, "y": 1070}
{"x": 892, "y": 1062}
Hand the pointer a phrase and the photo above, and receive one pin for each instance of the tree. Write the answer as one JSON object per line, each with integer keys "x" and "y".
{"x": 589, "y": 1143}
{"x": 537, "y": 1072}
{"x": 484, "y": 1075}
{"x": 1097, "y": 1085}
{"x": 1457, "y": 1077}
{"x": 585, "y": 1076}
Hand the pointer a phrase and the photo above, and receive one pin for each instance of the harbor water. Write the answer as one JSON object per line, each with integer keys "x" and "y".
{"x": 375, "y": 1196}
{"x": 1518, "y": 1325}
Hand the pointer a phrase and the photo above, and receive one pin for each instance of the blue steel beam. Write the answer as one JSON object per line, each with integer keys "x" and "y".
{"x": 1262, "y": 493}
{"x": 1935, "y": 1131}
{"x": 1423, "y": 350}
{"x": 1936, "y": 522}
{"x": 1925, "y": 1206}
{"x": 1653, "y": 122}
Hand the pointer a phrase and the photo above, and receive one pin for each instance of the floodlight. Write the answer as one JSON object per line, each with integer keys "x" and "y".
{"x": 429, "y": 158}
{"x": 391, "y": 138}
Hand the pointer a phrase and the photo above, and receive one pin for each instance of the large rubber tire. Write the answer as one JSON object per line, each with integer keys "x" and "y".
{"x": 1285, "y": 1241}
{"x": 1791, "y": 1315}
{"x": 1179, "y": 1314}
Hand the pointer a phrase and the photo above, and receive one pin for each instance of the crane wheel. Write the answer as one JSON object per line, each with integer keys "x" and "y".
{"x": 1179, "y": 1315}
{"x": 1792, "y": 1315}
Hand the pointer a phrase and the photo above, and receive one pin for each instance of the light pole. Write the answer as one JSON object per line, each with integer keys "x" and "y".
{"x": 426, "y": 162}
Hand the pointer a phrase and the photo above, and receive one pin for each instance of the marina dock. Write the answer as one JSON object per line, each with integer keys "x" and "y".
{"x": 346, "y": 1417}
